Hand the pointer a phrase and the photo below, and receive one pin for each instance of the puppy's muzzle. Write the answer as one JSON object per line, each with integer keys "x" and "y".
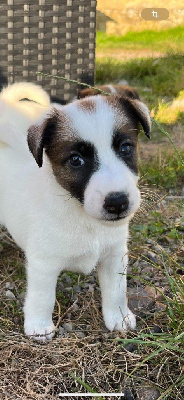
{"x": 116, "y": 205}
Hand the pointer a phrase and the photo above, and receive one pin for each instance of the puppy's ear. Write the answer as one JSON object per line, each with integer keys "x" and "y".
{"x": 86, "y": 93}
{"x": 39, "y": 136}
{"x": 128, "y": 91}
{"x": 139, "y": 111}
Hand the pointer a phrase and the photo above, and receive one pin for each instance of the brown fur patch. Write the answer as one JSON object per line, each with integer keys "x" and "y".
{"x": 58, "y": 152}
{"x": 131, "y": 109}
{"x": 86, "y": 105}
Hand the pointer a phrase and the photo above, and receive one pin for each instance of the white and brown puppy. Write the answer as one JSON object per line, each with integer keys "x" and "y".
{"x": 68, "y": 202}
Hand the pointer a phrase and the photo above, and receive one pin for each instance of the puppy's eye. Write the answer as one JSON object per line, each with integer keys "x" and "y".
{"x": 76, "y": 161}
{"x": 126, "y": 149}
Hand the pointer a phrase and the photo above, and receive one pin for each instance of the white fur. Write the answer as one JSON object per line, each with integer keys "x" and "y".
{"x": 20, "y": 114}
{"x": 55, "y": 231}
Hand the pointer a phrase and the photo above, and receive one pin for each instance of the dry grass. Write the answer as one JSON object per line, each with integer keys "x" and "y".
{"x": 105, "y": 361}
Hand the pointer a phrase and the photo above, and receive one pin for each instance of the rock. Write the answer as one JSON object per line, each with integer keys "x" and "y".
{"x": 180, "y": 252}
{"x": 61, "y": 331}
{"x": 147, "y": 393}
{"x": 68, "y": 326}
{"x": 76, "y": 289}
{"x": 136, "y": 265}
{"x": 128, "y": 395}
{"x": 10, "y": 285}
{"x": 80, "y": 335}
{"x": 10, "y": 295}
{"x": 140, "y": 301}
{"x": 68, "y": 289}
{"x": 91, "y": 288}
{"x": 131, "y": 347}
{"x": 156, "y": 329}
{"x": 92, "y": 279}
{"x": 22, "y": 295}
{"x": 172, "y": 192}
{"x": 75, "y": 308}
{"x": 152, "y": 257}
{"x": 155, "y": 294}
{"x": 66, "y": 278}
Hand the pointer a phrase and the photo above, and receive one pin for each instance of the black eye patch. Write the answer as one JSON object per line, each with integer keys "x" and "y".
{"x": 77, "y": 166}
{"x": 125, "y": 148}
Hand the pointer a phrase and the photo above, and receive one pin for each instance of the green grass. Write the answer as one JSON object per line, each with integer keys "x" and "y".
{"x": 163, "y": 170}
{"x": 162, "y": 76}
{"x": 162, "y": 41}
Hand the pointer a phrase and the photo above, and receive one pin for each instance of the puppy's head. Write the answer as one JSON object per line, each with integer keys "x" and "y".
{"x": 91, "y": 145}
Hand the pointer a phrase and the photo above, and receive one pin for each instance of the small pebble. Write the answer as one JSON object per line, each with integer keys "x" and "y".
{"x": 147, "y": 393}
{"x": 80, "y": 335}
{"x": 68, "y": 326}
{"x": 1, "y": 248}
{"x": 10, "y": 285}
{"x": 152, "y": 257}
{"x": 172, "y": 192}
{"x": 68, "y": 289}
{"x": 10, "y": 295}
{"x": 22, "y": 295}
{"x": 91, "y": 288}
{"x": 75, "y": 308}
{"x": 128, "y": 395}
{"x": 61, "y": 331}
{"x": 66, "y": 278}
{"x": 156, "y": 329}
{"x": 131, "y": 347}
{"x": 76, "y": 289}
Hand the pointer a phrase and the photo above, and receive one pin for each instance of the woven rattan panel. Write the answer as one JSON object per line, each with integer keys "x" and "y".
{"x": 50, "y": 36}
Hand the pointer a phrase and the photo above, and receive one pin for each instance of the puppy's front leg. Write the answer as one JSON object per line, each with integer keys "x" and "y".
{"x": 40, "y": 298}
{"x": 113, "y": 283}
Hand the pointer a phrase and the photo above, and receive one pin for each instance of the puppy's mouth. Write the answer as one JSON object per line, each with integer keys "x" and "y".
{"x": 114, "y": 218}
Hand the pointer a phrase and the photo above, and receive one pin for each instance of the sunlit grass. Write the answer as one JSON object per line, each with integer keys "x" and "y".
{"x": 162, "y": 41}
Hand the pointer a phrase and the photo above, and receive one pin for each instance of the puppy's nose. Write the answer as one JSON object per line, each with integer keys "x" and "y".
{"x": 116, "y": 203}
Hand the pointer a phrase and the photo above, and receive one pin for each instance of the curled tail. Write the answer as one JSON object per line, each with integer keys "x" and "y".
{"x": 25, "y": 90}
{"x": 16, "y": 116}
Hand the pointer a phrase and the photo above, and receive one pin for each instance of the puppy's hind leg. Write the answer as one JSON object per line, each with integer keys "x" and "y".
{"x": 40, "y": 297}
{"x": 113, "y": 283}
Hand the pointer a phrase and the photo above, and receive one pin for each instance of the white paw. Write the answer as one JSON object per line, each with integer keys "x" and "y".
{"x": 118, "y": 322}
{"x": 39, "y": 330}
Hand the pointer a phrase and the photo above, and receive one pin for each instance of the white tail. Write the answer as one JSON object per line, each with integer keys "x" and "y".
{"x": 25, "y": 90}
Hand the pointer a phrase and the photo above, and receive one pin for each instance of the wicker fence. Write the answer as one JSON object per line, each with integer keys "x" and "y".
{"x": 50, "y": 36}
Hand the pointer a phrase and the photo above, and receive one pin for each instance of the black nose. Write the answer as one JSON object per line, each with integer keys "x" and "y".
{"x": 116, "y": 203}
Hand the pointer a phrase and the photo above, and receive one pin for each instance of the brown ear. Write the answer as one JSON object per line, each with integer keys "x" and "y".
{"x": 139, "y": 111}
{"x": 39, "y": 136}
{"x": 86, "y": 93}
{"x": 127, "y": 91}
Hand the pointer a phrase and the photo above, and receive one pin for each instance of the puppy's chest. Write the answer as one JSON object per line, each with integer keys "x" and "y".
{"x": 84, "y": 263}
{"x": 84, "y": 254}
